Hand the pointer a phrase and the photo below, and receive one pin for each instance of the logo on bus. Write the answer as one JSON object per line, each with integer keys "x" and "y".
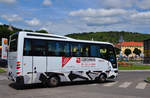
{"x": 78, "y": 60}
{"x": 65, "y": 60}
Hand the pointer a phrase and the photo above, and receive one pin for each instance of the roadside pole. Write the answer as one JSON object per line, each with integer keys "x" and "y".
{"x": 4, "y": 48}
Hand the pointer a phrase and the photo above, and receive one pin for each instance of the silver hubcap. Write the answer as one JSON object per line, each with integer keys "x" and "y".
{"x": 53, "y": 81}
{"x": 102, "y": 78}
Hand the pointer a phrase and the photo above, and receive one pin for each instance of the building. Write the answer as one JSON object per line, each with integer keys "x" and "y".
{"x": 147, "y": 51}
{"x": 130, "y": 45}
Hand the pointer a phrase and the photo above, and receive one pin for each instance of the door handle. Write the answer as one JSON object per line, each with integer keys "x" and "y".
{"x": 34, "y": 68}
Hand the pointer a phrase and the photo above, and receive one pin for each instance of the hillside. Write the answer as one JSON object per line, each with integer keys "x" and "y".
{"x": 5, "y": 31}
{"x": 111, "y": 36}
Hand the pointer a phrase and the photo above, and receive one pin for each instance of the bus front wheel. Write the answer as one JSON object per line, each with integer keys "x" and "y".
{"x": 102, "y": 78}
{"x": 53, "y": 81}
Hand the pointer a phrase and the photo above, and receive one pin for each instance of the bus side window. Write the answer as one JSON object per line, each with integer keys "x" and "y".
{"x": 27, "y": 47}
{"x": 103, "y": 52}
{"x": 67, "y": 49}
{"x": 39, "y": 48}
{"x": 75, "y": 51}
{"x": 52, "y": 48}
{"x": 63, "y": 48}
{"x": 94, "y": 51}
{"x": 84, "y": 50}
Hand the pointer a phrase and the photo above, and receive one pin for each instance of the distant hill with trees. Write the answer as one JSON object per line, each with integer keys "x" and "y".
{"x": 111, "y": 36}
{"x": 6, "y": 31}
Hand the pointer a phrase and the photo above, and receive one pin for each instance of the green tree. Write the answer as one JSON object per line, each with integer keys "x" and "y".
{"x": 117, "y": 50}
{"x": 137, "y": 51}
{"x": 5, "y": 32}
{"x": 41, "y": 31}
{"x": 127, "y": 52}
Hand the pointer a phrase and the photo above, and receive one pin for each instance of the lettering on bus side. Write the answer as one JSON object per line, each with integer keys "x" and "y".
{"x": 101, "y": 60}
{"x": 85, "y": 61}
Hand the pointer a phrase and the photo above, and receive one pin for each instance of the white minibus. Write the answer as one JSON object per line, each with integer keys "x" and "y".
{"x": 51, "y": 59}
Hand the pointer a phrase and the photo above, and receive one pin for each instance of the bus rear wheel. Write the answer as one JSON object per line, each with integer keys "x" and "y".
{"x": 53, "y": 81}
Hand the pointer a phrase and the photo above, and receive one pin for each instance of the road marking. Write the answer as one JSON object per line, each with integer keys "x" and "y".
{"x": 141, "y": 85}
{"x": 110, "y": 84}
{"x": 125, "y": 84}
{"x": 3, "y": 78}
{"x": 93, "y": 84}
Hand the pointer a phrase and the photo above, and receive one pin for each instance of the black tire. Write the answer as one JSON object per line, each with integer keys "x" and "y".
{"x": 53, "y": 81}
{"x": 102, "y": 78}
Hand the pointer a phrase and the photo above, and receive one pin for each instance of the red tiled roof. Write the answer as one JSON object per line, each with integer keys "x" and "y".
{"x": 132, "y": 44}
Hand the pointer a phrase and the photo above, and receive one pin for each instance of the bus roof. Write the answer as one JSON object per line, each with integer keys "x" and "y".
{"x": 42, "y": 35}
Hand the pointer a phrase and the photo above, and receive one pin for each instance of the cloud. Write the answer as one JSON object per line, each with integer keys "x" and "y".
{"x": 96, "y": 20}
{"x": 64, "y": 27}
{"x": 8, "y": 1}
{"x": 118, "y": 3}
{"x": 1, "y": 23}
{"x": 141, "y": 15}
{"x": 141, "y": 18}
{"x": 143, "y": 4}
{"x": 96, "y": 17}
{"x": 12, "y": 18}
{"x": 102, "y": 21}
{"x": 47, "y": 2}
{"x": 98, "y": 12}
{"x": 33, "y": 22}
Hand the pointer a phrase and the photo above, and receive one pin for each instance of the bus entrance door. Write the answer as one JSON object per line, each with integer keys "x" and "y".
{"x": 39, "y": 66}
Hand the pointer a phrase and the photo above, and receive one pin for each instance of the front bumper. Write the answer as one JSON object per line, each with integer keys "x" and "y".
{"x": 113, "y": 74}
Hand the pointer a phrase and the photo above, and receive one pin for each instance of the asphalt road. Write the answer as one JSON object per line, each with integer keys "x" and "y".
{"x": 128, "y": 85}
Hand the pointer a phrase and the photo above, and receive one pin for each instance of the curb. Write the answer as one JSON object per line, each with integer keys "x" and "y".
{"x": 134, "y": 70}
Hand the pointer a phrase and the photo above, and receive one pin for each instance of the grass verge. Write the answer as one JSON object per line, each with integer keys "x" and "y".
{"x": 1, "y": 70}
{"x": 134, "y": 67}
{"x": 148, "y": 79}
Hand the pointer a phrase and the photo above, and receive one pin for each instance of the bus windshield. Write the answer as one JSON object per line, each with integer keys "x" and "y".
{"x": 108, "y": 53}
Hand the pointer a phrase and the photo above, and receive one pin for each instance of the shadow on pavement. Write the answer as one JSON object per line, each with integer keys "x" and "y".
{"x": 63, "y": 84}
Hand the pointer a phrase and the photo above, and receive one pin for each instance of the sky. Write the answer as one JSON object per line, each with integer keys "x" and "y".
{"x": 75, "y": 16}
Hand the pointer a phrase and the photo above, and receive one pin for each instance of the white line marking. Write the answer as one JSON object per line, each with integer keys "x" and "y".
{"x": 141, "y": 85}
{"x": 125, "y": 84}
{"x": 110, "y": 84}
{"x": 93, "y": 84}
